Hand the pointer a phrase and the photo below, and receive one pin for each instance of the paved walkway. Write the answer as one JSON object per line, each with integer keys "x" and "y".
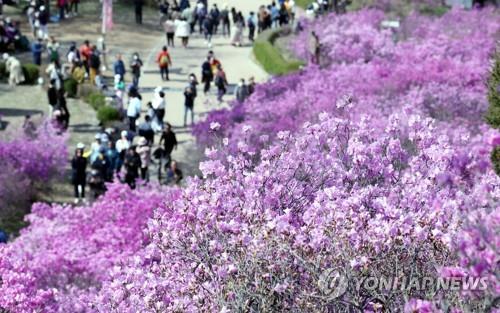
{"x": 236, "y": 61}
{"x": 147, "y": 40}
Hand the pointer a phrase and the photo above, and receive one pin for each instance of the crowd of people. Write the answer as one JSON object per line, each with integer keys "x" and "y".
{"x": 126, "y": 153}
{"x": 182, "y": 19}
{"x": 11, "y": 38}
{"x": 124, "y": 157}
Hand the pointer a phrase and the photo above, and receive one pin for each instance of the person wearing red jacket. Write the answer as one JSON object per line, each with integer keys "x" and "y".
{"x": 164, "y": 61}
{"x": 85, "y": 52}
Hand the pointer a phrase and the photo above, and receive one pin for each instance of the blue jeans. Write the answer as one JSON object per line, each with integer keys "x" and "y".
{"x": 186, "y": 109}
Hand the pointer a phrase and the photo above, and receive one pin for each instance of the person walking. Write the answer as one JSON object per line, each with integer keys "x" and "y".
{"x": 226, "y": 21}
{"x": 251, "y": 26}
{"x": 133, "y": 109}
{"x": 52, "y": 96}
{"x": 13, "y": 67}
{"x": 53, "y": 50}
{"x": 169, "y": 141}
{"x": 122, "y": 145}
{"x": 206, "y": 75}
{"x": 79, "y": 172}
{"x": 144, "y": 151}
{"x": 315, "y": 48}
{"x": 193, "y": 84}
{"x": 221, "y": 83}
{"x": 251, "y": 85}
{"x": 132, "y": 164}
{"x": 188, "y": 104}
{"x": 241, "y": 91}
{"x": 119, "y": 67}
{"x": 239, "y": 25}
{"x": 138, "y": 10}
{"x": 43, "y": 21}
{"x": 159, "y": 105}
{"x": 164, "y": 61}
{"x": 37, "y": 49}
{"x": 182, "y": 31}
{"x": 135, "y": 67}
{"x": 208, "y": 28}
{"x": 94, "y": 65}
{"x": 169, "y": 27}
{"x": 73, "y": 7}
{"x": 85, "y": 53}
{"x": 201, "y": 14}
{"x": 215, "y": 16}
{"x": 62, "y": 8}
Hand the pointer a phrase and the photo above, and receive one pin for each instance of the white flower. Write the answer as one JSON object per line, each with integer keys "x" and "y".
{"x": 214, "y": 126}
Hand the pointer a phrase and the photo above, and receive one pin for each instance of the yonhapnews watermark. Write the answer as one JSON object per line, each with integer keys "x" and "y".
{"x": 334, "y": 283}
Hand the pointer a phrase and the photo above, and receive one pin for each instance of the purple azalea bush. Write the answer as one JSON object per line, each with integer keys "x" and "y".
{"x": 62, "y": 258}
{"x": 256, "y": 238}
{"x": 376, "y": 164}
{"x": 437, "y": 69}
{"x": 28, "y": 164}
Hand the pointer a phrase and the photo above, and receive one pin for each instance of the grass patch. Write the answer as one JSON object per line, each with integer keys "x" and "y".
{"x": 303, "y": 3}
{"x": 108, "y": 114}
{"x": 270, "y": 56}
{"x": 96, "y": 100}
{"x": 433, "y": 10}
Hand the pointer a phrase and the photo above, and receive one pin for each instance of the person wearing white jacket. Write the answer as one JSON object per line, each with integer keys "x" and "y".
{"x": 159, "y": 105}
{"x": 182, "y": 31}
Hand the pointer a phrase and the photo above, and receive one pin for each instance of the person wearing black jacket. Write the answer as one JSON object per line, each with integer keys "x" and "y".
{"x": 169, "y": 140}
{"x": 188, "y": 104}
{"x": 79, "y": 166}
{"x": 206, "y": 75}
{"x": 138, "y": 10}
{"x": 52, "y": 96}
{"x": 94, "y": 64}
{"x": 132, "y": 164}
{"x": 62, "y": 106}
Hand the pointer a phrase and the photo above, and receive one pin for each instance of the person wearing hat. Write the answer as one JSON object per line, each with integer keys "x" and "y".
{"x": 13, "y": 66}
{"x": 94, "y": 148}
{"x": 121, "y": 147}
{"x": 79, "y": 174}
{"x": 144, "y": 151}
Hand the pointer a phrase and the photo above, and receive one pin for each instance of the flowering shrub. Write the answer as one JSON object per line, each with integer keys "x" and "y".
{"x": 392, "y": 180}
{"x": 338, "y": 195}
{"x": 437, "y": 70}
{"x": 61, "y": 259}
{"x": 29, "y": 163}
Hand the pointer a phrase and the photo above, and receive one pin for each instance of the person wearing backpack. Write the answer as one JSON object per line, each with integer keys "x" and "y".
{"x": 164, "y": 61}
